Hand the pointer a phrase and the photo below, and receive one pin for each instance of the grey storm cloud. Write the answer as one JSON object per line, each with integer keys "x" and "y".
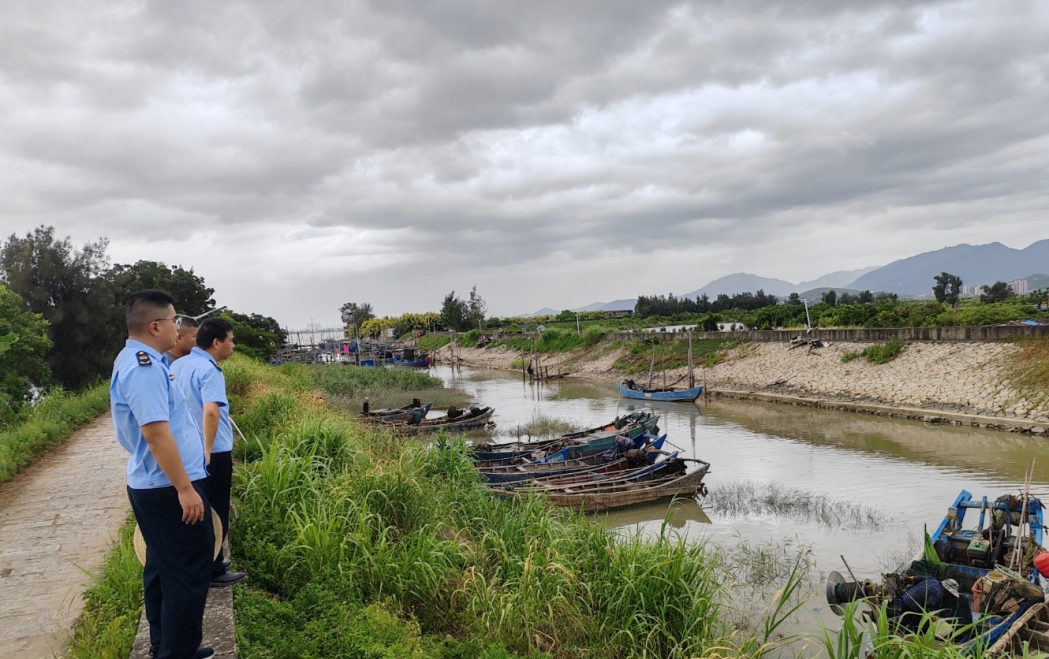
{"x": 484, "y": 136}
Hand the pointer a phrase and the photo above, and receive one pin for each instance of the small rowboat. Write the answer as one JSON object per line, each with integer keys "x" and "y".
{"x": 630, "y": 389}
{"x": 397, "y": 414}
{"x": 584, "y": 442}
{"x": 475, "y": 418}
{"x": 663, "y": 483}
{"x": 596, "y": 464}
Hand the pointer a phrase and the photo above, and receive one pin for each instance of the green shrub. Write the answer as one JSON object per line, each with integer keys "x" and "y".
{"x": 883, "y": 353}
{"x": 849, "y": 355}
{"x": 593, "y": 335}
{"x": 467, "y": 340}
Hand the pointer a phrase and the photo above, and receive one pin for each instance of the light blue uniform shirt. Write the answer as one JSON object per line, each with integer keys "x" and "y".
{"x": 141, "y": 392}
{"x": 202, "y": 381}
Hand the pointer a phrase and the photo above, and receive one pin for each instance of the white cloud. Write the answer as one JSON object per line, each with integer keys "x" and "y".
{"x": 551, "y": 153}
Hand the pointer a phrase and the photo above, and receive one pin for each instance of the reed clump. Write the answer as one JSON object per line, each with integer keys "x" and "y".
{"x": 541, "y": 426}
{"x": 883, "y": 353}
{"x": 746, "y": 498}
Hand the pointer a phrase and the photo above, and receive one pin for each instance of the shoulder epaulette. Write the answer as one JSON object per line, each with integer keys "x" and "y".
{"x": 143, "y": 358}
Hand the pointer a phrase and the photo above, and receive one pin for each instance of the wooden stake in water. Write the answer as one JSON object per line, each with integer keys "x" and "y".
{"x": 691, "y": 371}
{"x": 651, "y": 367}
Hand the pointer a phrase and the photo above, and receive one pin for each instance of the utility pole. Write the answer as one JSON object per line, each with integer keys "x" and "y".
{"x": 808, "y": 321}
{"x": 577, "y": 330}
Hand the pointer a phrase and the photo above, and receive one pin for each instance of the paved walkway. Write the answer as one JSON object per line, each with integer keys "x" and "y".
{"x": 57, "y": 518}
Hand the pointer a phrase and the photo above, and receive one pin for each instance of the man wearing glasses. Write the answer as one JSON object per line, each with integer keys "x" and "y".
{"x": 165, "y": 478}
{"x": 187, "y": 338}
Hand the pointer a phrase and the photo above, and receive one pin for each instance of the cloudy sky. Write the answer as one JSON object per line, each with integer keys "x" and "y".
{"x": 554, "y": 153}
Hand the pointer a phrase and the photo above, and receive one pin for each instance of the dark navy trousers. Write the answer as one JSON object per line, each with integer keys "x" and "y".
{"x": 217, "y": 486}
{"x": 177, "y": 573}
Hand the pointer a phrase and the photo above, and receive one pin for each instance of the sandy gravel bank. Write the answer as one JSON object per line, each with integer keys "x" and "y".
{"x": 935, "y": 380}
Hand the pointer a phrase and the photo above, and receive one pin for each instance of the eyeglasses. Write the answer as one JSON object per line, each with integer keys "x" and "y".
{"x": 177, "y": 320}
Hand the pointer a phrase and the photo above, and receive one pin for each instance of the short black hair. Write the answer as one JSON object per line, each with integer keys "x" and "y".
{"x": 213, "y": 329}
{"x": 188, "y": 321}
{"x": 143, "y": 307}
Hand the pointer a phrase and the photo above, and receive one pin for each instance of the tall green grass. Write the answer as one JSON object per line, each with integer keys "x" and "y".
{"x": 43, "y": 426}
{"x": 106, "y": 628}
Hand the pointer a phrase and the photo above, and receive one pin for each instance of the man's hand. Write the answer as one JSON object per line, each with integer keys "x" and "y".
{"x": 192, "y": 506}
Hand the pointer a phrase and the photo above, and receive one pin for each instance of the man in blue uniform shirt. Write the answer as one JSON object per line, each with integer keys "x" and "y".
{"x": 202, "y": 381}
{"x": 165, "y": 478}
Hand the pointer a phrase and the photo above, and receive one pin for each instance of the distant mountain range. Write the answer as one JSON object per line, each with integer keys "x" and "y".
{"x": 975, "y": 264}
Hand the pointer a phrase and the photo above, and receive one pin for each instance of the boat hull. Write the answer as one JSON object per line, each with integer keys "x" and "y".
{"x": 623, "y": 494}
{"x": 683, "y": 396}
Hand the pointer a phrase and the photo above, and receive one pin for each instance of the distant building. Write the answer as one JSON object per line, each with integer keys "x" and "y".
{"x": 619, "y": 313}
{"x": 732, "y": 327}
{"x": 1019, "y": 286}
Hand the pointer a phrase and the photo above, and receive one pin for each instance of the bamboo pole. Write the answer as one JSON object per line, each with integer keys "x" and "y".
{"x": 651, "y": 367}
{"x": 691, "y": 375}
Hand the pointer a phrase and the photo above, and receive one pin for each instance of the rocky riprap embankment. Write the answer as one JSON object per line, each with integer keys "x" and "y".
{"x": 970, "y": 378}
{"x": 965, "y": 378}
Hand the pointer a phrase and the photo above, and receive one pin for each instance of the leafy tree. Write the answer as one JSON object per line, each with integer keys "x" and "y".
{"x": 947, "y": 288}
{"x": 192, "y": 297}
{"x": 255, "y": 335}
{"x": 476, "y": 308}
{"x": 23, "y": 351}
{"x": 996, "y": 292}
{"x": 455, "y": 314}
{"x": 865, "y": 297}
{"x": 794, "y": 299}
{"x": 69, "y": 289}
{"x": 830, "y": 298}
{"x": 354, "y": 315}
{"x": 846, "y": 298}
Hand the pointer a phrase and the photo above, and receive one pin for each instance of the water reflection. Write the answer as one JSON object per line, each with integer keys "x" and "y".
{"x": 909, "y": 470}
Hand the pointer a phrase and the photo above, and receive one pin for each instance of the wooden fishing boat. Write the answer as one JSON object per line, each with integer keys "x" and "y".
{"x": 620, "y": 469}
{"x": 471, "y": 420}
{"x": 595, "y": 463}
{"x": 582, "y": 443}
{"x": 986, "y": 572}
{"x": 631, "y": 389}
{"x": 397, "y": 414}
{"x": 653, "y": 485}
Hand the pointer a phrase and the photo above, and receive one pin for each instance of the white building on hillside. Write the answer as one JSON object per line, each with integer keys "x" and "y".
{"x": 1019, "y": 286}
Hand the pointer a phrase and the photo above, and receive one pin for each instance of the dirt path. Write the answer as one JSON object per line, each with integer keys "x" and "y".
{"x": 57, "y": 519}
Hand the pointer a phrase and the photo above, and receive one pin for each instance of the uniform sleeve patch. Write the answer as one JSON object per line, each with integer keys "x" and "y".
{"x": 143, "y": 358}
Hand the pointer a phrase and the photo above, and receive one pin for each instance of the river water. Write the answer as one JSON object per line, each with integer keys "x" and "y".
{"x": 908, "y": 471}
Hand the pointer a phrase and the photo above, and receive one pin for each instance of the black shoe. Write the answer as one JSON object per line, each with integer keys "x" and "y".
{"x": 226, "y": 563}
{"x": 228, "y": 579}
{"x": 204, "y": 653}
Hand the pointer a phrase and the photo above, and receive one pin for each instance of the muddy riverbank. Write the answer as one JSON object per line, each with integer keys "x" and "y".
{"x": 960, "y": 383}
